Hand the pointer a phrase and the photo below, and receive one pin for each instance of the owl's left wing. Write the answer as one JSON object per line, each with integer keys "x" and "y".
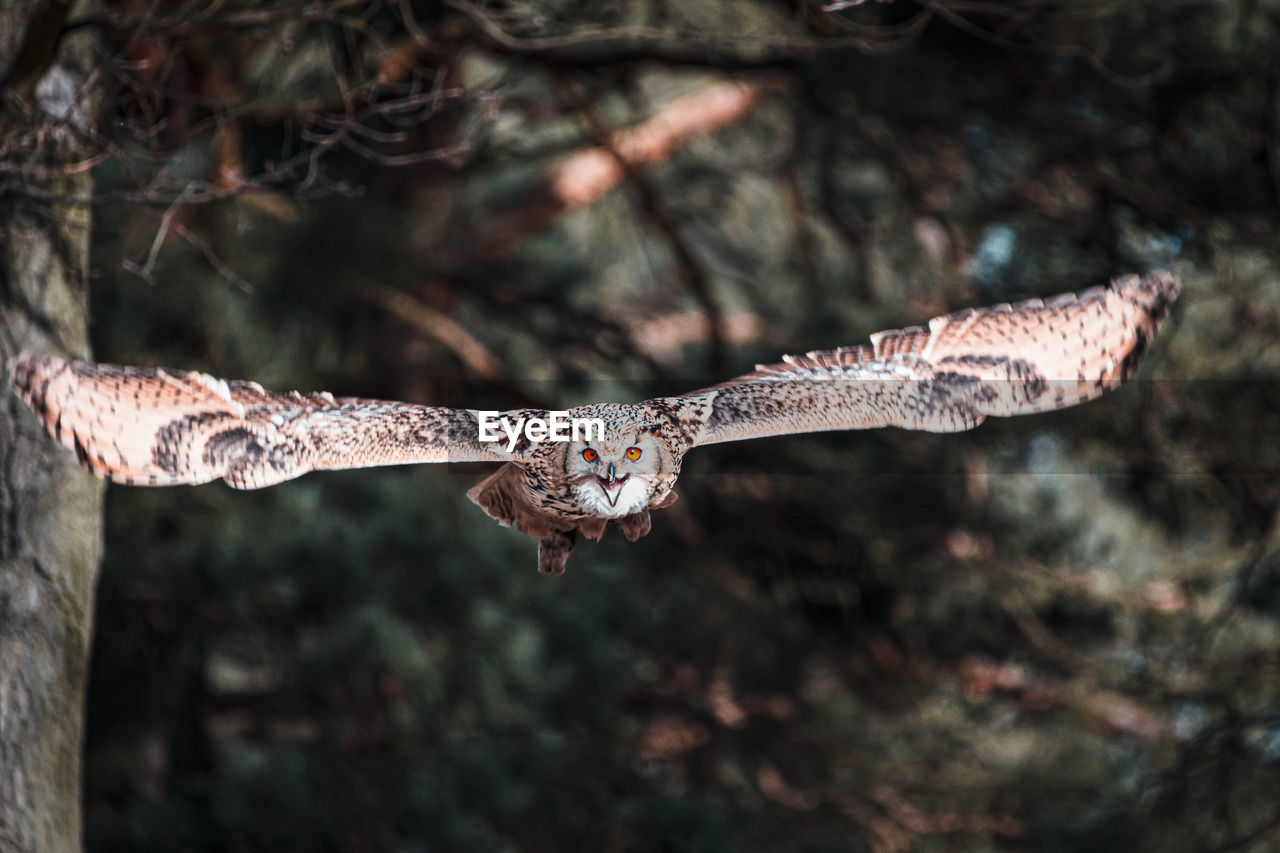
{"x": 152, "y": 426}
{"x": 1003, "y": 360}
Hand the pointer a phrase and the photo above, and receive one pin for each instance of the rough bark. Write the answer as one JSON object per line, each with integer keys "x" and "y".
{"x": 50, "y": 510}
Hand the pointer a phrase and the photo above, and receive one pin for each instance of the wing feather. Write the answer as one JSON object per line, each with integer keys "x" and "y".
{"x": 1003, "y": 360}
{"x": 152, "y": 426}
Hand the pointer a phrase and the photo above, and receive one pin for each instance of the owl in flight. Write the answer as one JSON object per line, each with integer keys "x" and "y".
{"x": 158, "y": 427}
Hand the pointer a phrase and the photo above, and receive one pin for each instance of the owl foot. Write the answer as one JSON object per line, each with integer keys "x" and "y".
{"x": 553, "y": 551}
{"x": 635, "y": 525}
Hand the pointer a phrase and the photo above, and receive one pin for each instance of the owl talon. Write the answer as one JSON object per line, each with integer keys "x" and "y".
{"x": 635, "y": 525}
{"x": 553, "y": 552}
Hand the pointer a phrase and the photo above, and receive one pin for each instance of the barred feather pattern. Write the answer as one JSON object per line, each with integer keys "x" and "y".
{"x": 153, "y": 426}
{"x": 1004, "y": 360}
{"x": 157, "y": 427}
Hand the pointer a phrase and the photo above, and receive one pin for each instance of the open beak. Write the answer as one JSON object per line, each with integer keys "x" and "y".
{"x": 613, "y": 485}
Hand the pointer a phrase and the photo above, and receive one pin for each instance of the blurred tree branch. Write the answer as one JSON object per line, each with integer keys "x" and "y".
{"x": 586, "y": 46}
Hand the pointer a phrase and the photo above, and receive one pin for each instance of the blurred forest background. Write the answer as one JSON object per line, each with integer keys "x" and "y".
{"x": 1052, "y": 633}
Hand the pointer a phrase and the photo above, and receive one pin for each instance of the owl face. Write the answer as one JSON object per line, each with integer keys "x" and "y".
{"x": 615, "y": 476}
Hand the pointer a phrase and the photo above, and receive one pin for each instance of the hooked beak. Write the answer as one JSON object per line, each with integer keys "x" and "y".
{"x": 612, "y": 486}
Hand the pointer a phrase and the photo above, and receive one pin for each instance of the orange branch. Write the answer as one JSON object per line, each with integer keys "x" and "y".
{"x": 588, "y": 175}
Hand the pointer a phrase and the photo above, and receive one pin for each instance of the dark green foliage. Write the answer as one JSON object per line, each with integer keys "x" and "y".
{"x": 1054, "y": 633}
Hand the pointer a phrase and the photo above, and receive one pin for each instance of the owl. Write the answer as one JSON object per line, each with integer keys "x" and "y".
{"x": 571, "y": 473}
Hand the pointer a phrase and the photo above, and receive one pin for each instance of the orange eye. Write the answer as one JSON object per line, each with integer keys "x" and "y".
{"x": 590, "y": 455}
{"x": 633, "y": 453}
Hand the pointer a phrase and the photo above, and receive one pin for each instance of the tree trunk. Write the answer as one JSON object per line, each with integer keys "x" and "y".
{"x": 50, "y": 510}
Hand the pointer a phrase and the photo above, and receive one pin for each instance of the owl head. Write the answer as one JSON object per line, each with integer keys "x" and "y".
{"x": 616, "y": 475}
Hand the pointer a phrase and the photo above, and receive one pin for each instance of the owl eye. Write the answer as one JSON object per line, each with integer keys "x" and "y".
{"x": 633, "y": 453}
{"x": 590, "y": 455}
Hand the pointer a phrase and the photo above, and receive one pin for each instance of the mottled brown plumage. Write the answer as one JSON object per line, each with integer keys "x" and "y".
{"x": 161, "y": 427}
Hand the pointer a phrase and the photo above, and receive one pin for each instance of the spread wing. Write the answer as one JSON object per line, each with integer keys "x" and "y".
{"x": 151, "y": 426}
{"x": 1004, "y": 360}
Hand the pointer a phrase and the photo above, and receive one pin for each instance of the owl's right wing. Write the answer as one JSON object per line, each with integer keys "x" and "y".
{"x": 152, "y": 426}
{"x": 1004, "y": 360}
